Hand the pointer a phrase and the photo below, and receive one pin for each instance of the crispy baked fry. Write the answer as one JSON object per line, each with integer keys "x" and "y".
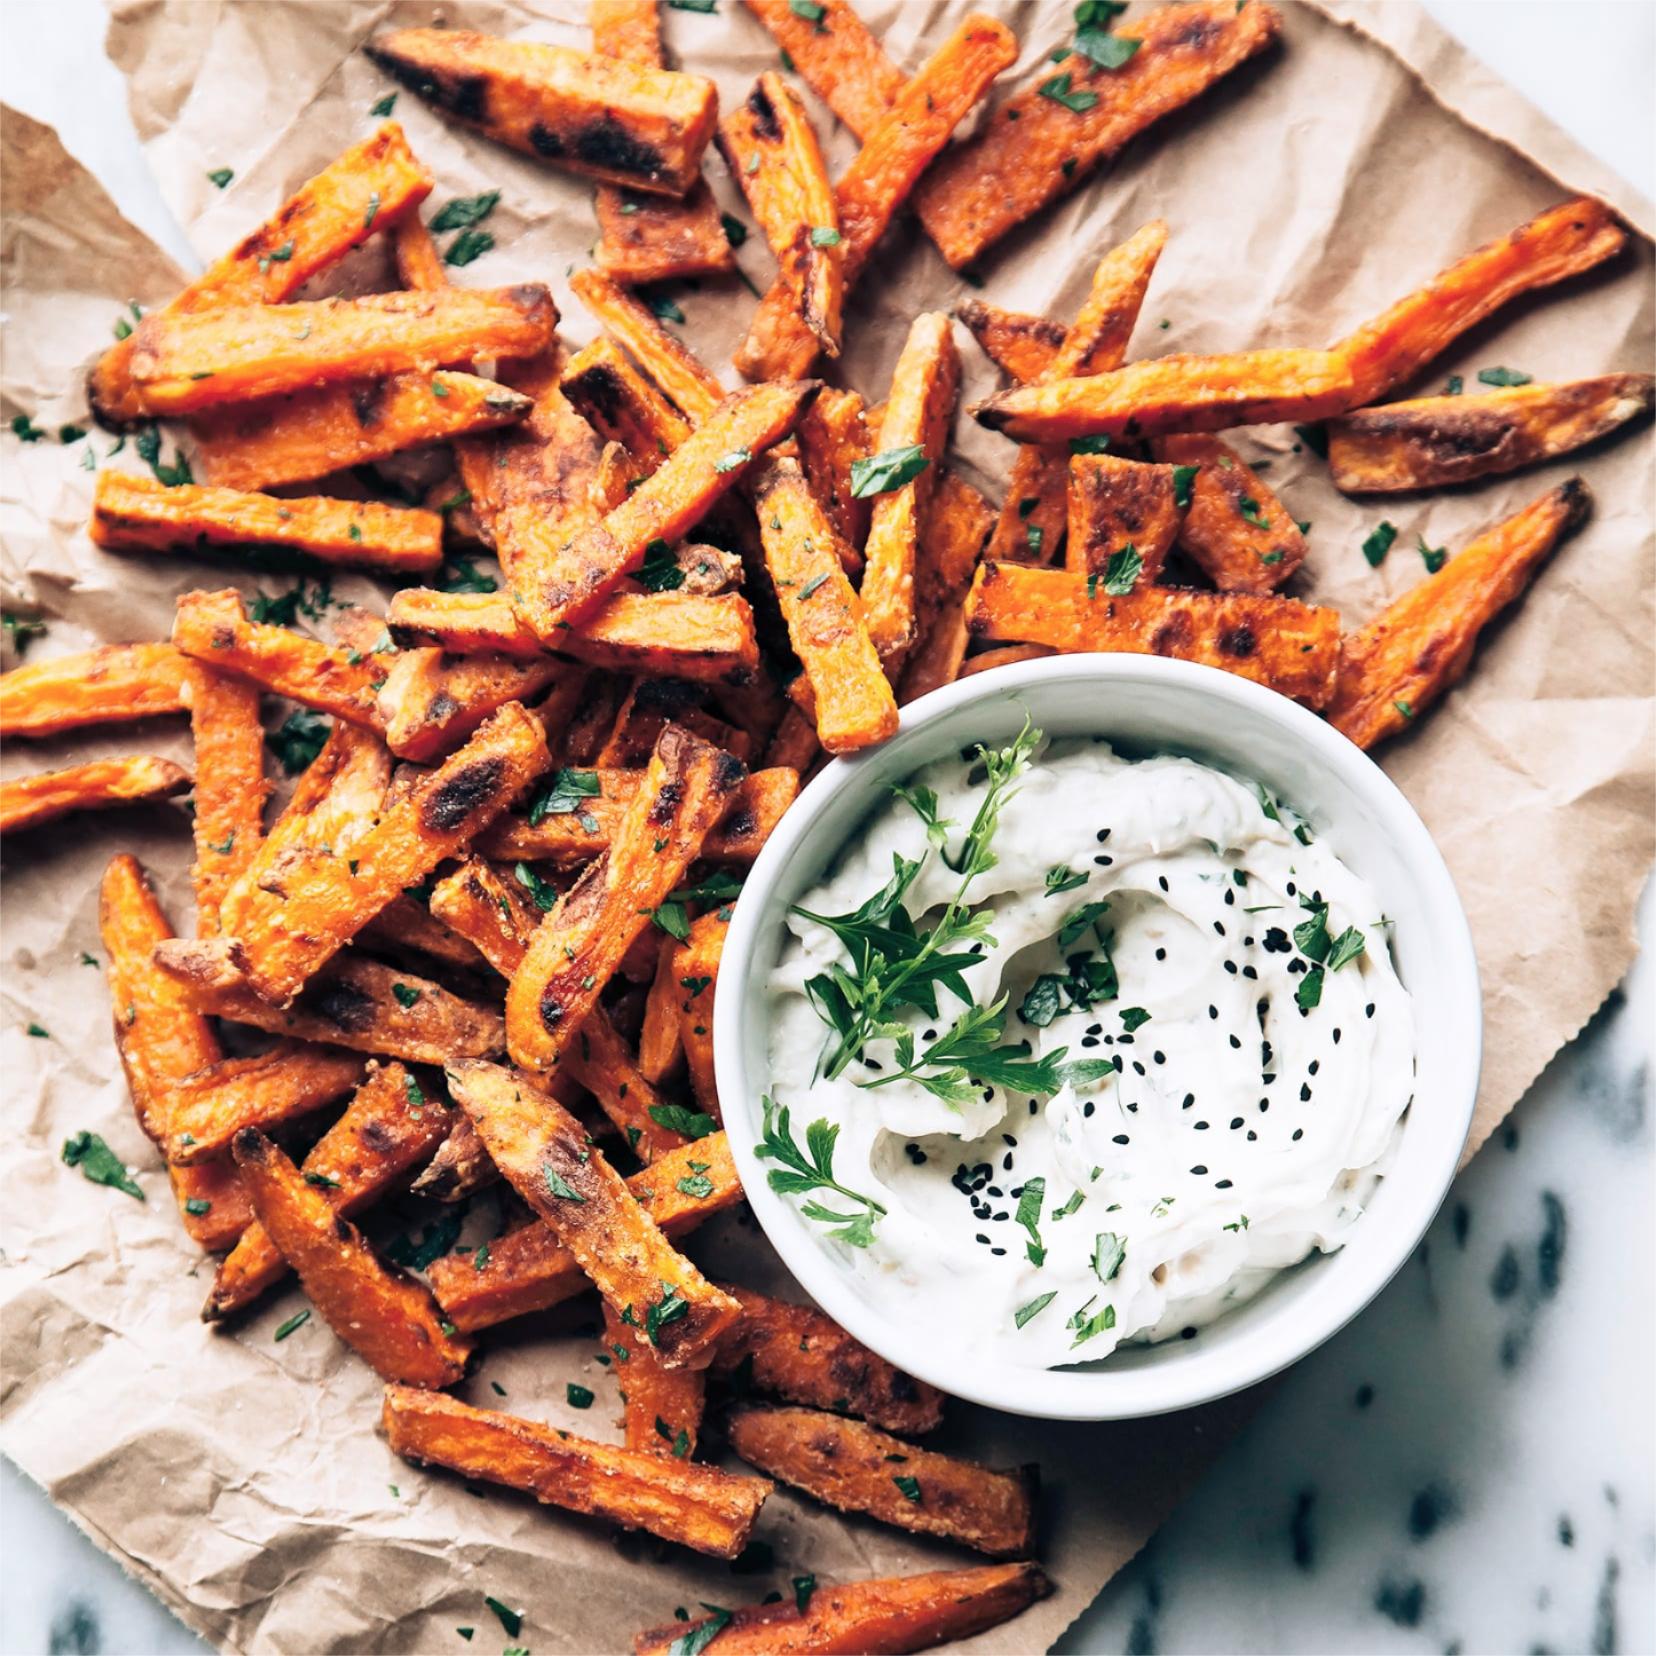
{"x": 1037, "y": 147}
{"x": 659, "y": 1046}
{"x": 230, "y": 785}
{"x": 564, "y": 583}
{"x": 622, "y": 405}
{"x": 772, "y": 151}
{"x": 599, "y": 1061}
{"x": 1175, "y": 393}
{"x": 686, "y": 635}
{"x": 936, "y": 659}
{"x": 801, "y": 1354}
{"x": 894, "y": 155}
{"x": 685, "y": 789}
{"x": 160, "y": 1039}
{"x": 696, "y": 966}
{"x": 368, "y": 189}
{"x": 1236, "y": 529}
{"x": 29, "y": 801}
{"x": 833, "y": 433}
{"x": 698, "y": 1506}
{"x": 388, "y": 1319}
{"x": 624, "y": 123}
{"x": 1115, "y": 504}
{"x": 209, "y": 1108}
{"x": 137, "y": 514}
{"x": 839, "y": 59}
{"x": 652, "y": 705}
{"x": 460, "y": 1168}
{"x": 1421, "y": 644}
{"x": 431, "y": 702}
{"x": 662, "y": 1406}
{"x": 854, "y": 1467}
{"x": 530, "y": 1269}
{"x": 1291, "y": 647}
{"x": 311, "y": 433}
{"x": 546, "y": 1155}
{"x": 387, "y": 1127}
{"x": 794, "y": 745}
{"x": 1022, "y": 346}
{"x": 187, "y": 361}
{"x": 1434, "y": 441}
{"x": 823, "y": 612}
{"x": 918, "y": 414}
{"x": 1563, "y": 241}
{"x": 873, "y": 1618}
{"x": 664, "y": 357}
{"x": 496, "y": 913}
{"x": 1008, "y": 655}
{"x": 403, "y": 927}
{"x": 108, "y": 685}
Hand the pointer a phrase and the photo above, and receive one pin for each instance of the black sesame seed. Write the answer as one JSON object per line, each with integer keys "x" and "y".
{"x": 1201, "y": 1126}
{"x": 1213, "y": 1011}
{"x": 980, "y": 1237}
{"x": 1161, "y": 880}
{"x": 1089, "y": 1040}
{"x": 1160, "y": 1057}
{"x": 1221, "y": 1184}
{"x": 1095, "y": 1029}
{"x": 1103, "y": 834}
{"x": 1198, "y": 1168}
{"x": 1291, "y": 891}
{"x": 994, "y": 1190}
{"x": 1132, "y": 1109}
{"x": 1006, "y": 1162}
{"x": 1121, "y": 1138}
{"x": 1313, "y": 1066}
{"x": 1368, "y": 1011}
{"x": 1299, "y": 1133}
{"x": 1087, "y": 1107}
{"x": 1305, "y": 1092}
{"x": 1230, "y": 966}
{"x": 1189, "y": 1099}
{"x": 1250, "y": 973}
{"x": 1161, "y": 954}
{"x": 1219, "y": 926}
{"x": 999, "y": 1253}
{"x": 1236, "y": 1121}
{"x": 1234, "y": 1040}
{"x": 1253, "y": 1137}
{"x": 1103, "y": 862}
{"x": 1336, "y": 1037}
{"x": 1267, "y": 1078}
{"x": 1118, "y": 1065}
{"x": 1138, "y": 1068}
{"x": 1230, "y": 898}
{"x": 1187, "y": 1333}
{"x": 1000, "y": 1216}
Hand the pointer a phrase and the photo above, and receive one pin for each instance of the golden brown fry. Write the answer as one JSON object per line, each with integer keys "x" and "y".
{"x": 659, "y": 1046}
{"x": 403, "y": 927}
{"x": 309, "y": 434}
{"x": 1035, "y": 147}
{"x": 1236, "y": 529}
{"x": 1290, "y": 647}
{"x": 839, "y": 59}
{"x": 160, "y": 1039}
{"x": 137, "y": 514}
{"x": 936, "y": 660}
{"x": 460, "y": 1168}
{"x": 1175, "y": 393}
{"x": 387, "y": 1127}
{"x": 824, "y": 614}
{"x": 209, "y": 1108}
{"x": 918, "y": 414}
{"x": 196, "y": 360}
{"x": 548, "y": 1158}
{"x": 801, "y": 1354}
{"x": 598, "y": 1060}
{"x": 432, "y": 702}
{"x": 664, "y": 357}
{"x": 230, "y": 785}
{"x": 696, "y": 966}
{"x": 1023, "y": 347}
{"x": 854, "y": 1467}
{"x": 530, "y": 1269}
{"x": 894, "y": 154}
{"x": 1563, "y": 241}
{"x": 662, "y": 1406}
{"x": 368, "y": 189}
{"x": 833, "y": 433}
{"x": 794, "y": 745}
{"x": 698, "y": 1506}
{"x": 389, "y": 1320}
{"x": 29, "y": 801}
{"x": 624, "y": 123}
{"x": 108, "y": 685}
{"x": 651, "y": 706}
{"x": 886, "y": 1617}
{"x": 1433, "y": 441}
{"x": 585, "y": 724}
{"x": 1116, "y": 505}
{"x": 772, "y": 151}
{"x": 622, "y": 405}
{"x": 1422, "y": 643}
{"x": 495, "y": 913}
{"x": 1009, "y": 655}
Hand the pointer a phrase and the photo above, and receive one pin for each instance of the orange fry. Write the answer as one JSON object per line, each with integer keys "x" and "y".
{"x": 1118, "y": 506}
{"x": 108, "y": 685}
{"x": 29, "y": 801}
{"x": 1236, "y": 529}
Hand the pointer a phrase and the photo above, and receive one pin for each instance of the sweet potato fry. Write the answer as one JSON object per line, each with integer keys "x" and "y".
{"x": 1008, "y": 655}
{"x": 1050, "y": 138}
{"x": 833, "y": 434}
{"x": 1434, "y": 441}
{"x": 1175, "y": 393}
{"x": 824, "y": 614}
{"x": 886, "y": 1617}
{"x": 936, "y": 659}
{"x": 564, "y": 583}
{"x": 137, "y": 514}
{"x": 495, "y": 913}
{"x": 653, "y": 704}
{"x": 460, "y": 1168}
{"x": 207, "y": 1109}
{"x": 662, "y": 356}
{"x": 547, "y": 1157}
{"x": 624, "y": 123}
{"x": 530, "y": 1269}
{"x": 160, "y": 1039}
{"x": 837, "y": 56}
{"x": 387, "y": 1127}
{"x": 659, "y": 1046}
{"x": 1563, "y": 241}
{"x": 1033, "y": 516}
{"x": 697, "y": 1506}
{"x": 622, "y": 405}
{"x": 195, "y": 360}
{"x": 29, "y": 801}
{"x": 854, "y": 1467}
{"x": 108, "y": 685}
{"x": 662, "y": 1407}
{"x": 686, "y": 788}
{"x": 772, "y": 150}
{"x": 1421, "y": 644}
{"x": 1236, "y": 529}
{"x": 1290, "y": 647}
{"x": 368, "y": 189}
{"x": 886, "y": 169}
{"x": 388, "y": 1319}
{"x": 1115, "y": 505}
{"x": 309, "y": 434}
{"x": 918, "y": 414}
{"x": 230, "y": 785}
{"x": 1022, "y": 346}
{"x": 600, "y": 1062}
{"x": 794, "y": 746}
{"x": 799, "y": 1353}
{"x": 432, "y": 702}
{"x": 686, "y": 635}
{"x": 405, "y": 928}
{"x": 212, "y": 627}
{"x": 696, "y": 966}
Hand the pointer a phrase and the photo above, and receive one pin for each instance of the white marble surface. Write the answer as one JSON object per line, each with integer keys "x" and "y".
{"x": 1469, "y": 1467}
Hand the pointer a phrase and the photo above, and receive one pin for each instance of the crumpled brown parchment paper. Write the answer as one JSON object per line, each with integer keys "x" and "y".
{"x": 243, "y": 1481}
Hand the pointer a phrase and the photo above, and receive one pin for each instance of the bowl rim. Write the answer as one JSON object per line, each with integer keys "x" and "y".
{"x": 1066, "y": 1394}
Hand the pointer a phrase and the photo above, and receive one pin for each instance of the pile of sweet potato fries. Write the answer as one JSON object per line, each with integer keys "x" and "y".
{"x": 490, "y": 915}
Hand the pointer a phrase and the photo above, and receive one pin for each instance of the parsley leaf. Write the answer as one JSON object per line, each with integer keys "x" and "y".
{"x": 676, "y": 1118}
{"x": 298, "y": 740}
{"x": 1122, "y": 572}
{"x": 464, "y": 212}
{"x": 660, "y": 570}
{"x": 1502, "y": 377}
{"x": 1058, "y": 89}
{"x": 888, "y": 470}
{"x": 563, "y": 794}
{"x": 803, "y": 1171}
{"x": 1379, "y": 542}
{"x": 99, "y": 1164}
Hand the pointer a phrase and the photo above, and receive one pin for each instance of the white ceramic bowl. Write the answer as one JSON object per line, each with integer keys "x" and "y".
{"x": 1148, "y": 703}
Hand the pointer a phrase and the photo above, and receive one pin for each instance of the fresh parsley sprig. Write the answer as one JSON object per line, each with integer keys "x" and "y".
{"x": 803, "y": 1171}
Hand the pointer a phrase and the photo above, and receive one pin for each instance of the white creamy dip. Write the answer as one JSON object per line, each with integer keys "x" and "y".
{"x": 1238, "y": 1134}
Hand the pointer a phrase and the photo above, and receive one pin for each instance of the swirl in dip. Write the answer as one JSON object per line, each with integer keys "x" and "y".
{"x": 1237, "y": 1052}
